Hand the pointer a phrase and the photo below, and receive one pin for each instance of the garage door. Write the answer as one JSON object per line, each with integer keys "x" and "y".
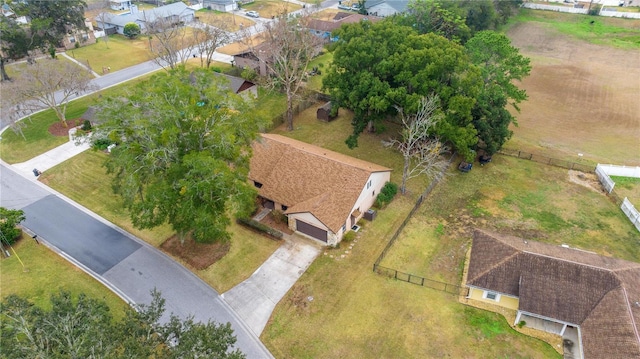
{"x": 313, "y": 231}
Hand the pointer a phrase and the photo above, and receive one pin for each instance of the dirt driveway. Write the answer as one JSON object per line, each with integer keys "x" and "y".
{"x": 583, "y": 98}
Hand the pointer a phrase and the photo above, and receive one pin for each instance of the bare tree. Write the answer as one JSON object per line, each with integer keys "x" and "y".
{"x": 422, "y": 154}
{"x": 12, "y": 110}
{"x": 170, "y": 43}
{"x": 288, "y": 48}
{"x": 207, "y": 39}
{"x": 103, "y": 16}
{"x": 50, "y": 84}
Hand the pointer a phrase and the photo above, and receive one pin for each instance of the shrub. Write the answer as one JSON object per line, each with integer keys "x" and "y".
{"x": 255, "y": 225}
{"x": 521, "y": 324}
{"x": 86, "y": 125}
{"x": 386, "y": 194}
{"x": 9, "y": 220}
{"x": 216, "y": 69}
{"x": 131, "y": 30}
{"x": 102, "y": 143}
{"x": 249, "y": 74}
{"x": 279, "y": 217}
{"x": 349, "y": 236}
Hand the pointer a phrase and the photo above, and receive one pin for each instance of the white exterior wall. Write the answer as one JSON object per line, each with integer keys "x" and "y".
{"x": 367, "y": 198}
{"x": 382, "y": 10}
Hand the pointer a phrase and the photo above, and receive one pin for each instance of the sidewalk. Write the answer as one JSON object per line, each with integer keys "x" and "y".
{"x": 50, "y": 158}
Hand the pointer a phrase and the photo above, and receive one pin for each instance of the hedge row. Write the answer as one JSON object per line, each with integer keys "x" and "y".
{"x": 259, "y": 227}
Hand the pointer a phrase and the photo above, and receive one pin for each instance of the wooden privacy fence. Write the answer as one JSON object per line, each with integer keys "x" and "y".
{"x": 421, "y": 281}
{"x": 548, "y": 160}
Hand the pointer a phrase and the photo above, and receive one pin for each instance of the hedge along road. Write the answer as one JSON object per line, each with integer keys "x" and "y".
{"x": 125, "y": 264}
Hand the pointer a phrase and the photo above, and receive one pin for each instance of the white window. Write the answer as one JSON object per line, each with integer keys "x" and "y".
{"x": 72, "y": 39}
{"x": 344, "y": 227}
{"x": 491, "y": 295}
{"x": 368, "y": 184}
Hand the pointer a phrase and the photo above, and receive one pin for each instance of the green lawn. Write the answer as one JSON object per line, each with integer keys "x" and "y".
{"x": 83, "y": 179}
{"x": 14, "y": 148}
{"x": 322, "y": 63}
{"x": 616, "y": 32}
{"x": 358, "y": 314}
{"x": 271, "y": 8}
{"x": 118, "y": 53}
{"x": 44, "y": 273}
{"x": 628, "y": 187}
{"x": 224, "y": 20}
{"x": 531, "y": 200}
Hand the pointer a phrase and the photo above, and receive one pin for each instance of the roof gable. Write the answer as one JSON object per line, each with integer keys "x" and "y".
{"x": 307, "y": 178}
{"x": 601, "y": 294}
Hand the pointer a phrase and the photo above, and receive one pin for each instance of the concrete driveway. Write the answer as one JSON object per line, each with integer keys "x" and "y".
{"x": 255, "y": 298}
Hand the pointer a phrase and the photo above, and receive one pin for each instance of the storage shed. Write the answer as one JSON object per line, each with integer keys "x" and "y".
{"x": 324, "y": 113}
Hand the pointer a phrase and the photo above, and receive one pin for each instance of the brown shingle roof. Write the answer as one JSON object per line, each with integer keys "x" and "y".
{"x": 601, "y": 294}
{"x": 307, "y": 178}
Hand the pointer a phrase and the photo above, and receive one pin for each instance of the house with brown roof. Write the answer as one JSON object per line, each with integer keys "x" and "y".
{"x": 324, "y": 28}
{"x": 322, "y": 193}
{"x": 559, "y": 289}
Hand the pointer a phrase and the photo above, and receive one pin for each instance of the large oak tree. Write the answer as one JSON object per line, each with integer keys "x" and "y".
{"x": 183, "y": 153}
{"x": 378, "y": 66}
{"x": 501, "y": 66}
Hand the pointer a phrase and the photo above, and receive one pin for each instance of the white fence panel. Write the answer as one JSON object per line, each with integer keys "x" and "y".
{"x": 604, "y": 178}
{"x": 631, "y": 212}
{"x": 571, "y": 10}
{"x": 614, "y": 13}
{"x": 98, "y": 34}
{"x": 622, "y": 171}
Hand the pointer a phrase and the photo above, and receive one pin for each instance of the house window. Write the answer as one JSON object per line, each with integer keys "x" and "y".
{"x": 374, "y": 193}
{"x": 368, "y": 184}
{"x": 72, "y": 39}
{"x": 257, "y": 184}
{"x": 344, "y": 227}
{"x": 491, "y": 295}
{"x": 85, "y": 37}
{"x": 284, "y": 208}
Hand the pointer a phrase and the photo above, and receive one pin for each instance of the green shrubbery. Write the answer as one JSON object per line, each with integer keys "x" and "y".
{"x": 386, "y": 194}
{"x": 261, "y": 227}
{"x": 9, "y": 220}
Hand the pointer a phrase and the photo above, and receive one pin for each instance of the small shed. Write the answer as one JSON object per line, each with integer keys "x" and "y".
{"x": 324, "y": 113}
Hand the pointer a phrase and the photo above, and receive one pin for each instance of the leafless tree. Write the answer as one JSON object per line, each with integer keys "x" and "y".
{"x": 50, "y": 83}
{"x": 103, "y": 16}
{"x": 207, "y": 39}
{"x": 11, "y": 109}
{"x": 171, "y": 43}
{"x": 286, "y": 52}
{"x": 422, "y": 154}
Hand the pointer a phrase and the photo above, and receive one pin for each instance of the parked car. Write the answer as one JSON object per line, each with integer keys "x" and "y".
{"x": 344, "y": 7}
{"x": 252, "y": 13}
{"x": 355, "y": 7}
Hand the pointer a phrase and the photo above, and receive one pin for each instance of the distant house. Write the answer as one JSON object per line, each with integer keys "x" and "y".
{"x": 221, "y": 5}
{"x": 240, "y": 86}
{"x": 175, "y": 13}
{"x": 79, "y": 36}
{"x": 559, "y": 289}
{"x": 119, "y": 5}
{"x": 324, "y": 28}
{"x": 384, "y": 8}
{"x": 322, "y": 193}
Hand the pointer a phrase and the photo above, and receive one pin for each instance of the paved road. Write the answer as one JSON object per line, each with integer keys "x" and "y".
{"x": 129, "y": 266}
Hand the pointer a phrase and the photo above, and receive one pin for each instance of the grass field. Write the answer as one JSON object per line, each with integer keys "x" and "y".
{"x": 224, "y": 20}
{"x": 44, "y": 273}
{"x": 118, "y": 53}
{"x": 271, "y": 8}
{"x": 532, "y": 200}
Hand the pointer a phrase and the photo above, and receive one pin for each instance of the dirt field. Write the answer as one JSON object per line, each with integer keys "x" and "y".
{"x": 583, "y": 98}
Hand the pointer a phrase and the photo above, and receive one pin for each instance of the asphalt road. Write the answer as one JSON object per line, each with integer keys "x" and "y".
{"x": 127, "y": 265}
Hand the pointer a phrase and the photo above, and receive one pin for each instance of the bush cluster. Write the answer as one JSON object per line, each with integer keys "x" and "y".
{"x": 386, "y": 194}
{"x": 261, "y": 227}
